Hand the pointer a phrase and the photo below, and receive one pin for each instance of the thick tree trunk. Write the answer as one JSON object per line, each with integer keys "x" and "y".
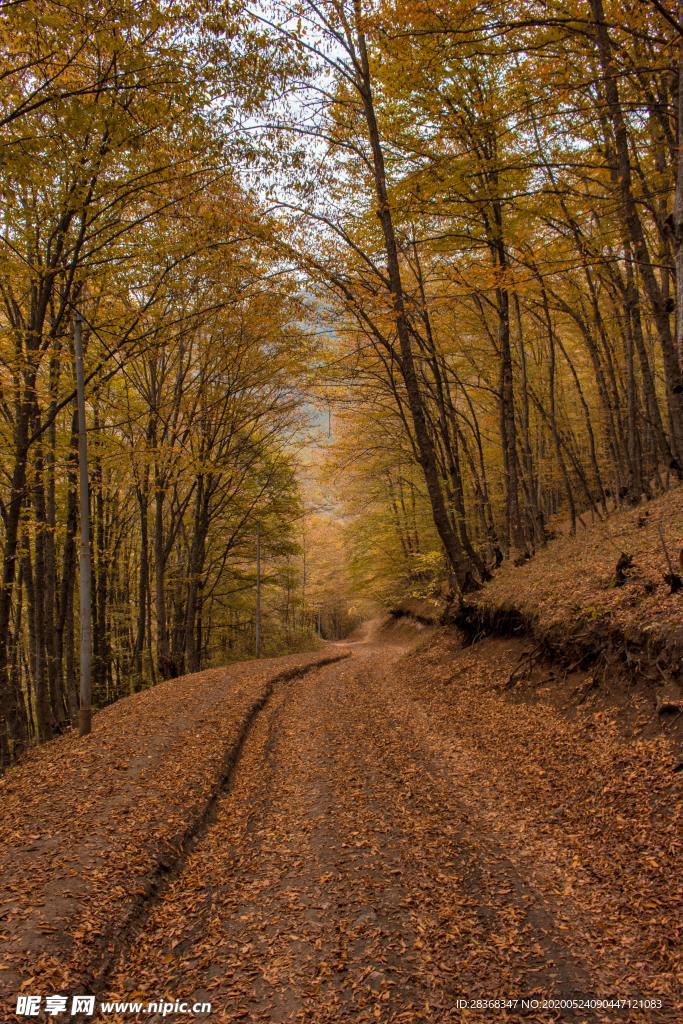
{"x": 8, "y": 705}
{"x": 462, "y": 571}
{"x": 529, "y": 476}
{"x": 678, "y": 213}
{"x": 508, "y": 431}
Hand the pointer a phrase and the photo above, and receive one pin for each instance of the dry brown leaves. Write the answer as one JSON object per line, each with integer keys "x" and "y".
{"x": 591, "y": 819}
{"x": 569, "y": 585}
{"x": 86, "y": 823}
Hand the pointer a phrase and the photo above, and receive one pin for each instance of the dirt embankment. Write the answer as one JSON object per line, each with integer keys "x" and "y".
{"x": 597, "y": 619}
{"x": 615, "y": 585}
{"x": 599, "y": 616}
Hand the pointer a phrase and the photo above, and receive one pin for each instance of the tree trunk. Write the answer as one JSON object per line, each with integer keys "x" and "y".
{"x": 636, "y": 234}
{"x": 462, "y": 571}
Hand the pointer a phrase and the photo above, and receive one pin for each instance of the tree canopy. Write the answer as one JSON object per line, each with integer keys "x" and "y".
{"x": 454, "y": 229}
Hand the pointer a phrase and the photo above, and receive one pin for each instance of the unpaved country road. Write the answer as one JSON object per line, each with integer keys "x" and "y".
{"x": 343, "y": 878}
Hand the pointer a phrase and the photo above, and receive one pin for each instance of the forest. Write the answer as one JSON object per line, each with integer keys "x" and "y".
{"x": 392, "y": 284}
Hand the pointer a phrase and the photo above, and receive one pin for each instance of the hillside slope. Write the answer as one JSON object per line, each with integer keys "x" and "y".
{"x": 568, "y": 596}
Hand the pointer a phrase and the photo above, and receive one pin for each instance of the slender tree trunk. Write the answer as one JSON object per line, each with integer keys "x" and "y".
{"x": 535, "y": 513}
{"x": 143, "y": 584}
{"x": 65, "y": 604}
{"x": 85, "y": 564}
{"x": 164, "y": 665}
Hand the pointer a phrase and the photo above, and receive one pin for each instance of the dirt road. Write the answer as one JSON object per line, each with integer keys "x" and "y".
{"x": 346, "y": 875}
